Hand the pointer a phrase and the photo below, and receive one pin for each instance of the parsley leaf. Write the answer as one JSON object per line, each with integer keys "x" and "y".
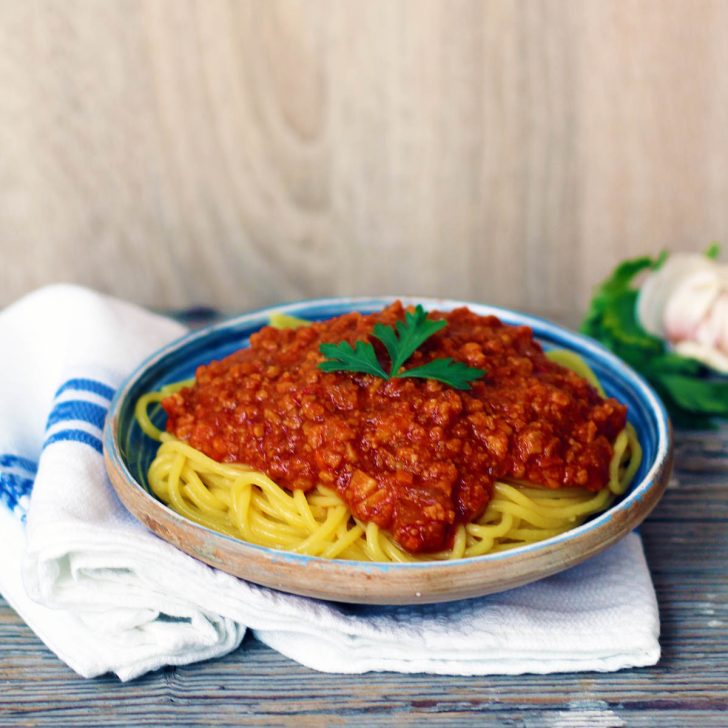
{"x": 407, "y": 336}
{"x": 344, "y": 358}
{"x": 457, "y": 374}
{"x": 400, "y": 341}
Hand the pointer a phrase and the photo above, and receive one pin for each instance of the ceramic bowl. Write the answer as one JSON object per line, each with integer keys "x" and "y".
{"x": 128, "y": 453}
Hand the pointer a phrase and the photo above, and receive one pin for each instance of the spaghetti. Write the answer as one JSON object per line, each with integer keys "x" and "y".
{"x": 245, "y": 503}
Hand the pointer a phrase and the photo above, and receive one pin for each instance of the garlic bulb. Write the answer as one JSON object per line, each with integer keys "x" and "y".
{"x": 686, "y": 302}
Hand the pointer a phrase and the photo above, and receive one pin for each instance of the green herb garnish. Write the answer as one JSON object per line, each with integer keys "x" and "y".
{"x": 344, "y": 358}
{"x": 401, "y": 341}
{"x": 691, "y": 397}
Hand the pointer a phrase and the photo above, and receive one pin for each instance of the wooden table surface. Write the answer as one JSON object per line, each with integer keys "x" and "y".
{"x": 687, "y": 549}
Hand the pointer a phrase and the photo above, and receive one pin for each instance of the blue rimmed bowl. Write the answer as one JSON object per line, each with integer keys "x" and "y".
{"x": 128, "y": 453}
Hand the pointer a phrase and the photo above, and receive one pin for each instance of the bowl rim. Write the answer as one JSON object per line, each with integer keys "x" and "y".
{"x": 572, "y": 340}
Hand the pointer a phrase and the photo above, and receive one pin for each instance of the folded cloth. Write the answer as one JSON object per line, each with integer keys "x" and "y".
{"x": 107, "y": 595}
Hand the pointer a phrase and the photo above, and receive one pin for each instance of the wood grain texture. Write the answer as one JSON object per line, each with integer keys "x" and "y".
{"x": 240, "y": 153}
{"x": 687, "y": 550}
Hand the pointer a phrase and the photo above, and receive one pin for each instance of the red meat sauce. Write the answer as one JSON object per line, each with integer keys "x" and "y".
{"x": 416, "y": 457}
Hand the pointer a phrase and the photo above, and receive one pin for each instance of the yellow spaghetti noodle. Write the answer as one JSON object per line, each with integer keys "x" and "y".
{"x": 247, "y": 504}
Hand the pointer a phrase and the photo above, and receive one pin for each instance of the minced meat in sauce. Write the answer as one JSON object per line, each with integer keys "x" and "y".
{"x": 414, "y": 456}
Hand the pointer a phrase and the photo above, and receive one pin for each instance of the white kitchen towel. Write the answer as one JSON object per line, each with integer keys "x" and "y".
{"x": 107, "y": 595}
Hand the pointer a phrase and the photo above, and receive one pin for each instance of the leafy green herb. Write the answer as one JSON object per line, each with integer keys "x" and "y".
{"x": 456, "y": 374}
{"x": 401, "y": 341}
{"x": 407, "y": 336}
{"x": 691, "y": 397}
{"x": 344, "y": 358}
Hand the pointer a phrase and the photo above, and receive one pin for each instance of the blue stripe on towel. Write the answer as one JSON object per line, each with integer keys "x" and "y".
{"x": 77, "y": 409}
{"x": 87, "y": 385}
{"x": 75, "y": 436}
{"x": 16, "y": 461}
{"x": 74, "y": 411}
{"x": 12, "y": 488}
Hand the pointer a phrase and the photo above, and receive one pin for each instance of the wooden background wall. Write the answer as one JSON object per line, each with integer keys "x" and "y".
{"x": 240, "y": 153}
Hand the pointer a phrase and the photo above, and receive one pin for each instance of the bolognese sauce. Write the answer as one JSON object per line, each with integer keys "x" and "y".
{"x": 414, "y": 456}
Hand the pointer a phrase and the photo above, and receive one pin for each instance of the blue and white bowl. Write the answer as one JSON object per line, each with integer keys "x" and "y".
{"x": 128, "y": 453}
